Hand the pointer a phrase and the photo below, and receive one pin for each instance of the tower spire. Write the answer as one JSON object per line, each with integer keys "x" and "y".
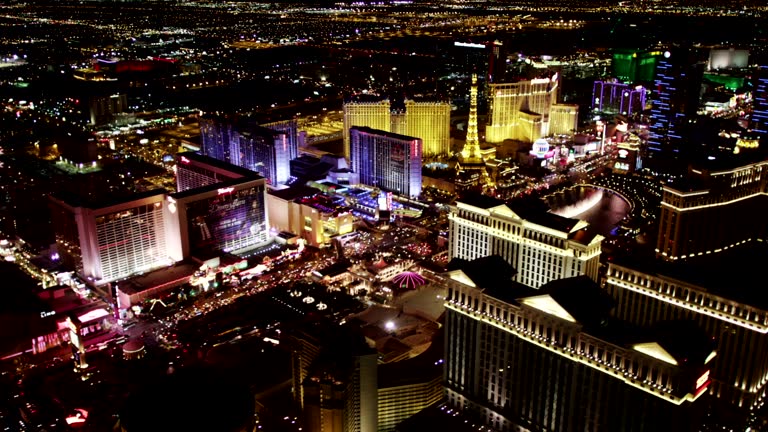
{"x": 471, "y": 150}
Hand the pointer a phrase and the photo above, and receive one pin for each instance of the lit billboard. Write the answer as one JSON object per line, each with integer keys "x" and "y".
{"x": 228, "y": 221}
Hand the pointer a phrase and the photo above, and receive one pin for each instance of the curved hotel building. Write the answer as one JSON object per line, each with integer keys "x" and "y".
{"x": 705, "y": 213}
{"x": 527, "y": 110}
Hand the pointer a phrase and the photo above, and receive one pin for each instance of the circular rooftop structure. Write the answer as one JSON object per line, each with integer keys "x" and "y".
{"x": 408, "y": 280}
{"x": 133, "y": 349}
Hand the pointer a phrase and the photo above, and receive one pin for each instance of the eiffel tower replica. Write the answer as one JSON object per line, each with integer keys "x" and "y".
{"x": 471, "y": 163}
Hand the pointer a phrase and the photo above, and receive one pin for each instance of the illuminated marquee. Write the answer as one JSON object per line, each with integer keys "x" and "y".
{"x": 468, "y": 45}
{"x": 227, "y": 190}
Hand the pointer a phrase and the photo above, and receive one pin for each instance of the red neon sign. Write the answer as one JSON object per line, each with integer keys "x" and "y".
{"x": 184, "y": 160}
{"x": 226, "y": 190}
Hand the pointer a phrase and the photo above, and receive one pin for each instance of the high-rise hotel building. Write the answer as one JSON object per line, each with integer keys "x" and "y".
{"x": 194, "y": 170}
{"x": 266, "y": 149}
{"x": 522, "y": 110}
{"x": 705, "y": 212}
{"x": 541, "y": 246}
{"x": 428, "y": 120}
{"x": 728, "y": 309}
{"x": 371, "y": 114}
{"x": 105, "y": 241}
{"x": 386, "y": 160}
{"x": 759, "y": 121}
{"x": 553, "y": 359}
{"x": 675, "y": 101}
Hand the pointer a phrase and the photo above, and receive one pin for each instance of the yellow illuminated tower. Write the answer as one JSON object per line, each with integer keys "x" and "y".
{"x": 430, "y": 121}
{"x": 470, "y": 154}
{"x": 375, "y": 115}
{"x": 520, "y": 111}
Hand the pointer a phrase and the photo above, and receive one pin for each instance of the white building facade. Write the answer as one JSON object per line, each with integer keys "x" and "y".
{"x": 548, "y": 248}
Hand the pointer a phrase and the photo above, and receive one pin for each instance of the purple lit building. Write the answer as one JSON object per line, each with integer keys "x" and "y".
{"x": 386, "y": 160}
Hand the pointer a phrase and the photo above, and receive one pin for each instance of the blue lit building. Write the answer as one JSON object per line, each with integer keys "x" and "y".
{"x": 215, "y": 133}
{"x": 290, "y": 128}
{"x": 760, "y": 102}
{"x": 389, "y": 161}
{"x": 266, "y": 149}
{"x": 675, "y": 102}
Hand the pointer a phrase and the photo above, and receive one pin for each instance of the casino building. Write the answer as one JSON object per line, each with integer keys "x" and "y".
{"x": 554, "y": 358}
{"x": 108, "y": 240}
{"x": 219, "y": 208}
{"x": 386, "y": 160}
{"x": 704, "y": 213}
{"x": 543, "y": 246}
{"x": 429, "y": 121}
{"x": 527, "y": 110}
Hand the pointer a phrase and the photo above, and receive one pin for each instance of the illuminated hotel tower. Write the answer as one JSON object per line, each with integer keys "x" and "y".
{"x": 554, "y": 359}
{"x": 429, "y": 121}
{"x": 388, "y": 161}
{"x": 375, "y": 115}
{"x": 541, "y": 246}
{"x": 114, "y": 239}
{"x": 732, "y": 312}
{"x": 520, "y": 111}
{"x": 675, "y": 101}
{"x": 759, "y": 121}
{"x": 266, "y": 149}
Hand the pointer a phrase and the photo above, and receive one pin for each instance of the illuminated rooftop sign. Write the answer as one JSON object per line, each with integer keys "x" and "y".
{"x": 468, "y": 45}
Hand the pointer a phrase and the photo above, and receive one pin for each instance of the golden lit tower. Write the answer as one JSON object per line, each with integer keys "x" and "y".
{"x": 471, "y": 151}
{"x": 520, "y": 111}
{"x": 375, "y": 115}
{"x": 430, "y": 121}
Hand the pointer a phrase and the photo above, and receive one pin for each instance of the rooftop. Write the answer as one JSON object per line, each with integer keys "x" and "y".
{"x": 224, "y": 184}
{"x": 295, "y": 192}
{"x": 207, "y": 160}
{"x": 733, "y": 274}
{"x": 179, "y": 272}
{"x": 383, "y": 133}
{"x": 78, "y": 200}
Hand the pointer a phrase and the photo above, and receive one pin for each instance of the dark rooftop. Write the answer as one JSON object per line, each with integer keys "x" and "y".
{"x": 234, "y": 169}
{"x": 543, "y": 218}
{"x": 494, "y": 275}
{"x": 589, "y": 304}
{"x": 335, "y": 269}
{"x": 481, "y": 201}
{"x": 383, "y": 133}
{"x": 178, "y": 272}
{"x": 438, "y": 418}
{"x": 734, "y": 274}
{"x": 295, "y": 192}
{"x": 78, "y": 200}
{"x": 226, "y": 183}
